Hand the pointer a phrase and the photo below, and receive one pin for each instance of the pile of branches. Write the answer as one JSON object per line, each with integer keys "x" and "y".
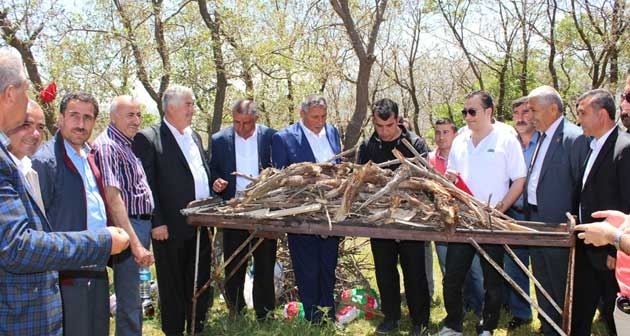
{"x": 414, "y": 195}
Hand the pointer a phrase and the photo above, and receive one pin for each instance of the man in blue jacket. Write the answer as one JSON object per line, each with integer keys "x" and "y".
{"x": 30, "y": 254}
{"x": 314, "y": 258}
{"x": 244, "y": 147}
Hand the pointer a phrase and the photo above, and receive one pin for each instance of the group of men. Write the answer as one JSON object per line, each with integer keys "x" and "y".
{"x": 68, "y": 205}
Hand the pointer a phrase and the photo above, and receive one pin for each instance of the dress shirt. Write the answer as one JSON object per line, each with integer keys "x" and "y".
{"x": 193, "y": 157}
{"x": 319, "y": 144}
{"x": 596, "y": 147}
{"x": 96, "y": 214}
{"x": 122, "y": 170}
{"x": 246, "y": 154}
{"x": 528, "y": 152}
{"x": 532, "y": 185}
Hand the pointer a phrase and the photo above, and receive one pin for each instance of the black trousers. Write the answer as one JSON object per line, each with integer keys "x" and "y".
{"x": 387, "y": 253}
{"x": 458, "y": 260}
{"x": 264, "y": 262}
{"x": 591, "y": 285}
{"x": 550, "y": 265}
{"x": 175, "y": 268}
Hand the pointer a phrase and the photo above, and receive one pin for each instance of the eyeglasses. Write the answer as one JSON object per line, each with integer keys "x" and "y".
{"x": 471, "y": 111}
{"x": 626, "y": 97}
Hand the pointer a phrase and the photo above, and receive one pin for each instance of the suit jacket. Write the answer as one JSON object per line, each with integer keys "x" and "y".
{"x": 169, "y": 177}
{"x": 30, "y": 255}
{"x": 560, "y": 174}
{"x": 607, "y": 187}
{"x": 223, "y": 159}
{"x": 290, "y": 145}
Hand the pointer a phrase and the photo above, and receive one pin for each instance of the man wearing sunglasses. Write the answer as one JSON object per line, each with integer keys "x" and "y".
{"x": 486, "y": 159}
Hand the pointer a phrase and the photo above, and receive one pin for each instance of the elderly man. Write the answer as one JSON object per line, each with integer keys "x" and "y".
{"x": 130, "y": 207}
{"x": 244, "y": 147}
{"x": 25, "y": 140}
{"x": 73, "y": 195}
{"x": 487, "y": 160}
{"x": 31, "y": 253}
{"x": 387, "y": 136}
{"x": 605, "y": 185}
{"x": 520, "y": 309}
{"x": 314, "y": 258}
{"x": 178, "y": 173}
{"x": 445, "y": 132}
{"x": 550, "y": 191}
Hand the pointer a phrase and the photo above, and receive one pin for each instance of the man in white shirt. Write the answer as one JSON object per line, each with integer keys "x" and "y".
{"x": 244, "y": 147}
{"x": 486, "y": 159}
{"x": 25, "y": 140}
{"x": 605, "y": 184}
{"x": 178, "y": 172}
{"x": 550, "y": 191}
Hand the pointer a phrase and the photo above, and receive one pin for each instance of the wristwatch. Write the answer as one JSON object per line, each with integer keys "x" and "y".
{"x": 617, "y": 241}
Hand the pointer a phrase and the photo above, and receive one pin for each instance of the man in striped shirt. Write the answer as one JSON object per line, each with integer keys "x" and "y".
{"x": 130, "y": 204}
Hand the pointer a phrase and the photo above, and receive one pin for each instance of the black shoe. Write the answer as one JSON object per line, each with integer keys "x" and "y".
{"x": 516, "y": 322}
{"x": 387, "y": 326}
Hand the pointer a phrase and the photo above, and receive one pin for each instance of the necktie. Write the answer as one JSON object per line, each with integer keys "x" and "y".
{"x": 526, "y": 208}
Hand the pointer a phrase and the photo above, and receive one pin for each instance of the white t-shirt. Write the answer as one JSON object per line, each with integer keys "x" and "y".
{"x": 488, "y": 168}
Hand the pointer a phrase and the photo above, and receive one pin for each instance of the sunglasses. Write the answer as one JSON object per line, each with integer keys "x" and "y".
{"x": 626, "y": 97}
{"x": 471, "y": 111}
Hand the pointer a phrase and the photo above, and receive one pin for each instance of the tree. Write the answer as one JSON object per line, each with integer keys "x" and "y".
{"x": 365, "y": 53}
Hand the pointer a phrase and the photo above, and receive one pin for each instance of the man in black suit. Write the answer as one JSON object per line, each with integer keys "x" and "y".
{"x": 551, "y": 191}
{"x": 605, "y": 184}
{"x": 178, "y": 173}
{"x": 244, "y": 147}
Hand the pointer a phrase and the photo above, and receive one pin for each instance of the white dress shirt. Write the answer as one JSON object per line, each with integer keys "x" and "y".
{"x": 246, "y": 154}
{"x": 532, "y": 185}
{"x": 193, "y": 157}
{"x": 319, "y": 144}
{"x": 596, "y": 147}
{"x": 31, "y": 178}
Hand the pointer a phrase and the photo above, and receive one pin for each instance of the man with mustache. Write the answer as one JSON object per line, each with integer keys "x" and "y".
{"x": 73, "y": 195}
{"x": 25, "y": 139}
{"x": 130, "y": 203}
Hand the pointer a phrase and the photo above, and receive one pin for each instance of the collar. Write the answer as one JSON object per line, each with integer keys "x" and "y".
{"x": 254, "y": 136}
{"x": 118, "y": 136}
{"x": 553, "y": 127}
{"x": 321, "y": 134}
{"x": 175, "y": 131}
{"x": 83, "y": 152}
{"x": 439, "y": 155}
{"x": 599, "y": 142}
{"x": 532, "y": 141}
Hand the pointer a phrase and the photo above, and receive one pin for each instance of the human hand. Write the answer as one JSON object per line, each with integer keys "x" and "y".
{"x": 160, "y": 232}
{"x": 611, "y": 262}
{"x": 598, "y": 234}
{"x": 142, "y": 256}
{"x": 120, "y": 239}
{"x": 451, "y": 175}
{"x": 616, "y": 218}
{"x": 219, "y": 185}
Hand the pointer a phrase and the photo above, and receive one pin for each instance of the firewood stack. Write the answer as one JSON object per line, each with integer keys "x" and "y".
{"x": 413, "y": 195}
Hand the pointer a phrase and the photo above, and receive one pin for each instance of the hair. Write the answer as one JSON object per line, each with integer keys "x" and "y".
{"x": 600, "y": 98}
{"x": 446, "y": 121}
{"x": 11, "y": 68}
{"x": 484, "y": 96}
{"x": 173, "y": 94}
{"x": 312, "y": 100}
{"x": 80, "y": 96}
{"x": 385, "y": 108}
{"x": 548, "y": 95}
{"x": 32, "y": 105}
{"x": 518, "y": 102}
{"x": 245, "y": 106}
{"x": 113, "y": 106}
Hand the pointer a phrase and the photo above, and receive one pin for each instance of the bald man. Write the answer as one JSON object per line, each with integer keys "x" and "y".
{"x": 130, "y": 203}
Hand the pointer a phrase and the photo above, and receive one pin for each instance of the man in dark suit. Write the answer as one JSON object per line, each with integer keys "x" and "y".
{"x": 178, "y": 173}
{"x": 314, "y": 258}
{"x": 244, "y": 147}
{"x": 605, "y": 185}
{"x": 31, "y": 252}
{"x": 550, "y": 191}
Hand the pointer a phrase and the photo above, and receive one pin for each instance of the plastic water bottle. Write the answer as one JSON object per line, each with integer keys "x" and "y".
{"x": 145, "y": 292}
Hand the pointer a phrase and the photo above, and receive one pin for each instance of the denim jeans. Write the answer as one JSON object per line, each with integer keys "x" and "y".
{"x": 126, "y": 284}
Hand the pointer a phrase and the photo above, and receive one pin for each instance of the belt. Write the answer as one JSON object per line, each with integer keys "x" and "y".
{"x": 532, "y": 207}
{"x": 142, "y": 216}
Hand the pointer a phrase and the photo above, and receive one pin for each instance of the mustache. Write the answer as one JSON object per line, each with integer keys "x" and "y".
{"x": 82, "y": 130}
{"x": 521, "y": 123}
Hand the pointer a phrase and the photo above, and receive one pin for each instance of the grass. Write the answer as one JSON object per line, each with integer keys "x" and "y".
{"x": 220, "y": 324}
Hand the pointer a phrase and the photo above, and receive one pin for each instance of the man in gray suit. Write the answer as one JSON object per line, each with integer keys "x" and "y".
{"x": 551, "y": 190}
